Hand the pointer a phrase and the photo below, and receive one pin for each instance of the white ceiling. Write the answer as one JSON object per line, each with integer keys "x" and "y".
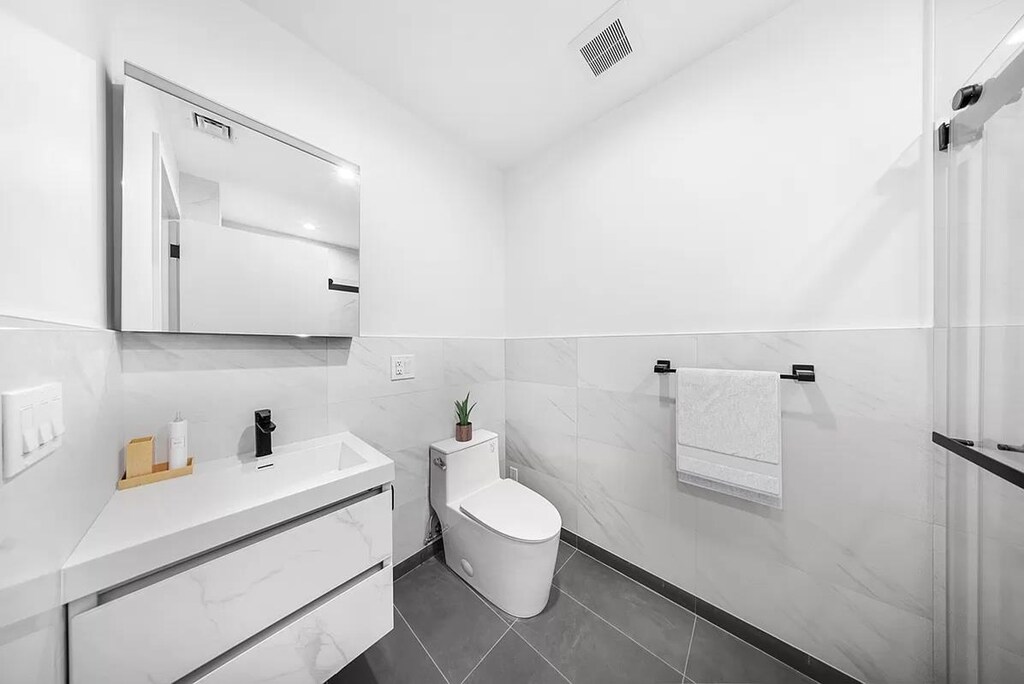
{"x": 504, "y": 75}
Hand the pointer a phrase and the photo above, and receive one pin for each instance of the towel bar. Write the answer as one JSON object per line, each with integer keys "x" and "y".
{"x": 802, "y": 372}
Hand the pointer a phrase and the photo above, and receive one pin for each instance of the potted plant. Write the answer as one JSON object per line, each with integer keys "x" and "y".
{"x": 463, "y": 428}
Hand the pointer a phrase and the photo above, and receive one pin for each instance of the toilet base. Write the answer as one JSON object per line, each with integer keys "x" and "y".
{"x": 515, "y": 576}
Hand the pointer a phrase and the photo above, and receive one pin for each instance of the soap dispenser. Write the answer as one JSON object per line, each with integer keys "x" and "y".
{"x": 177, "y": 443}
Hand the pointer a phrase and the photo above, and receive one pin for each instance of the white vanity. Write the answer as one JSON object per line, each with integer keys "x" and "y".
{"x": 268, "y": 570}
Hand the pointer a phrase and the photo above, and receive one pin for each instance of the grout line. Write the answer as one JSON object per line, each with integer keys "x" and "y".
{"x": 466, "y": 678}
{"x": 527, "y": 642}
{"x": 586, "y": 607}
{"x": 411, "y": 630}
{"x": 686, "y": 663}
{"x": 567, "y": 559}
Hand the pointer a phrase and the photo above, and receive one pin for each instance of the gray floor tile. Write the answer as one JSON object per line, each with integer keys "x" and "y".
{"x": 718, "y": 657}
{"x": 656, "y": 623}
{"x": 564, "y": 552}
{"x": 396, "y": 659}
{"x": 513, "y": 662}
{"x": 448, "y": 617}
{"x": 586, "y": 649}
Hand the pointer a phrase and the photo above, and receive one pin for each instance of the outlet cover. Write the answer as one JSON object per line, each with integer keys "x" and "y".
{"x": 403, "y": 367}
{"x": 513, "y": 473}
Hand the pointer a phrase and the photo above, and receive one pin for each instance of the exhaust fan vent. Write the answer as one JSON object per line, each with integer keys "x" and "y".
{"x": 205, "y": 124}
{"x": 607, "y": 48}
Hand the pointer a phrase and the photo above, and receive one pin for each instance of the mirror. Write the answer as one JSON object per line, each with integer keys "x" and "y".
{"x": 229, "y": 226}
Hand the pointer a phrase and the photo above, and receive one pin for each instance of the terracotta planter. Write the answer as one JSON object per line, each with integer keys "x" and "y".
{"x": 463, "y": 433}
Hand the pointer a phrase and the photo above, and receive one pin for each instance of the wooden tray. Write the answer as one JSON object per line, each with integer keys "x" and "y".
{"x": 160, "y": 472}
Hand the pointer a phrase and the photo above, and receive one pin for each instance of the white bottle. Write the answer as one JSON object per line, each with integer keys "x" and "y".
{"x": 177, "y": 443}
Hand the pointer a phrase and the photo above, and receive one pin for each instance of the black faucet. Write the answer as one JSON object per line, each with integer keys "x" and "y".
{"x": 264, "y": 426}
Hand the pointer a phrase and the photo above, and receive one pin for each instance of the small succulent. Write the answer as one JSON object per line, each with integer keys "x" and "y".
{"x": 463, "y": 409}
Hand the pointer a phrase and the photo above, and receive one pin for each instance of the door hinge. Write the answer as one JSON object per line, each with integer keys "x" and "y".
{"x": 943, "y": 136}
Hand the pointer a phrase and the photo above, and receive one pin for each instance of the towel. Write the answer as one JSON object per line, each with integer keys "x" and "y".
{"x": 729, "y": 434}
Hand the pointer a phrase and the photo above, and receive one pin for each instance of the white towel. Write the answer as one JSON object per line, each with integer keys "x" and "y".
{"x": 728, "y": 433}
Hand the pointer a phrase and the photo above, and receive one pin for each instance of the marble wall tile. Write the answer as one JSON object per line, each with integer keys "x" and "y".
{"x": 637, "y": 422}
{"x": 45, "y": 509}
{"x": 661, "y": 543}
{"x": 550, "y": 361}
{"x": 546, "y": 408}
{"x": 884, "y": 557}
{"x": 643, "y": 480}
{"x": 626, "y": 364}
{"x": 216, "y": 382}
{"x": 470, "y": 361}
{"x": 561, "y": 494}
{"x": 866, "y": 638}
{"x": 1002, "y": 386}
{"x": 540, "y": 425}
{"x": 360, "y": 367}
{"x": 857, "y": 524}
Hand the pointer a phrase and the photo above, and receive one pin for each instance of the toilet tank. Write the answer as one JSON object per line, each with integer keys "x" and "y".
{"x": 469, "y": 466}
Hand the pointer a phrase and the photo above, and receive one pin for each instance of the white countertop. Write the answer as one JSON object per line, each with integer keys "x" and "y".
{"x": 146, "y": 528}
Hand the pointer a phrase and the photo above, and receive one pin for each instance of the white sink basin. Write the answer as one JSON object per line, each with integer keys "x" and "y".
{"x": 147, "y": 528}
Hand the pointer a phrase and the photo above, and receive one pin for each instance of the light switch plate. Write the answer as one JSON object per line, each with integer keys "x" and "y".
{"x": 33, "y": 422}
{"x": 403, "y": 367}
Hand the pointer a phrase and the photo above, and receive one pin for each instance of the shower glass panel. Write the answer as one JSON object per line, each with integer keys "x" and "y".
{"x": 980, "y": 367}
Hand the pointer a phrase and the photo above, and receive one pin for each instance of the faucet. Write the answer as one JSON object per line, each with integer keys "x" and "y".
{"x": 264, "y": 426}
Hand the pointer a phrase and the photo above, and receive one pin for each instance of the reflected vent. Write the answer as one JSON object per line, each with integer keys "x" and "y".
{"x": 607, "y": 48}
{"x": 205, "y": 124}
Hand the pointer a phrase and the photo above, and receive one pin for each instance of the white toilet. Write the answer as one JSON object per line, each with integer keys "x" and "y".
{"x": 499, "y": 536}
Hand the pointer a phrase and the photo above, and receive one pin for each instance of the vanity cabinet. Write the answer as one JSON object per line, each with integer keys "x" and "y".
{"x": 293, "y": 603}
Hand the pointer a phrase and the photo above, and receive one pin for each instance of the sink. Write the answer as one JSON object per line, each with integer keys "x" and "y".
{"x": 146, "y": 528}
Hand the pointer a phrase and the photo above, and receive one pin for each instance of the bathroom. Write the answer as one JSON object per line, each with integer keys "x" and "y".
{"x": 772, "y": 190}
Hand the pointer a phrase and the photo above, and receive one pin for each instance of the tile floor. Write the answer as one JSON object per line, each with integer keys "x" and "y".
{"x": 599, "y": 626}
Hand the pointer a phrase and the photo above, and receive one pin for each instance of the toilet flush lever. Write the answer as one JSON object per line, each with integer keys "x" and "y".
{"x": 439, "y": 462}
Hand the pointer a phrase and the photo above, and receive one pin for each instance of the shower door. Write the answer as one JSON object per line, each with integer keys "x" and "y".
{"x": 980, "y": 375}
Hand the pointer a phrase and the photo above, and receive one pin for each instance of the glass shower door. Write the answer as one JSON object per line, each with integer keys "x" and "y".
{"x": 980, "y": 337}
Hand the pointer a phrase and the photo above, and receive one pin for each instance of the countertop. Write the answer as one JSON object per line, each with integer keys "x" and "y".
{"x": 147, "y": 528}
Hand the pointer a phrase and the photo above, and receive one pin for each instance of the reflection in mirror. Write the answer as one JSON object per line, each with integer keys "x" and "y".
{"x": 228, "y": 226}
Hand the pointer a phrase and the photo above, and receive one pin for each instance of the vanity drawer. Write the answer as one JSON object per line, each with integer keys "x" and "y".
{"x": 318, "y": 643}
{"x": 168, "y": 628}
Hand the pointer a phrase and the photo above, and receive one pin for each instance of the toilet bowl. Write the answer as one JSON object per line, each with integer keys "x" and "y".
{"x": 499, "y": 536}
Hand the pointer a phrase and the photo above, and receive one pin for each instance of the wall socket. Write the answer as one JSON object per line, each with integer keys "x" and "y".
{"x": 513, "y": 473}
{"x": 403, "y": 367}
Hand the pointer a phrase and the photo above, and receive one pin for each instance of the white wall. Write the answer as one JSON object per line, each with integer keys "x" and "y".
{"x": 779, "y": 183}
{"x": 432, "y": 222}
{"x": 52, "y": 216}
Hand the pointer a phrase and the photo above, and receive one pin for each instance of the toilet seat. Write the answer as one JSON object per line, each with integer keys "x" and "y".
{"x": 514, "y": 511}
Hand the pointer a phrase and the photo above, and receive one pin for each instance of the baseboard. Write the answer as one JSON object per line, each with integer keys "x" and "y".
{"x": 797, "y": 659}
{"x": 434, "y": 548}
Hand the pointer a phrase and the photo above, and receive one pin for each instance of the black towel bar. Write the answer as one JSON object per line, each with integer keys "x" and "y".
{"x": 802, "y": 372}
{"x": 331, "y": 285}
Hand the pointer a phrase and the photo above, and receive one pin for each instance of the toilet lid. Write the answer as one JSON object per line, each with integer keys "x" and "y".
{"x": 515, "y": 511}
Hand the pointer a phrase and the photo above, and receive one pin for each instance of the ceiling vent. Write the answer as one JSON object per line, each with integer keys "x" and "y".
{"x": 607, "y": 48}
{"x": 205, "y": 124}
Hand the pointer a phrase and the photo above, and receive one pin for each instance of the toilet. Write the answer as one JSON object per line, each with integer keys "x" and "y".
{"x": 499, "y": 536}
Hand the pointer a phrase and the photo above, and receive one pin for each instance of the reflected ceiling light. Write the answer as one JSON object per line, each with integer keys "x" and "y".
{"x": 308, "y": 226}
{"x": 1016, "y": 38}
{"x": 346, "y": 174}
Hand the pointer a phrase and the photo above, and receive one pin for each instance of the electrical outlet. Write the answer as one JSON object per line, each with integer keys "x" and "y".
{"x": 513, "y": 473}
{"x": 403, "y": 367}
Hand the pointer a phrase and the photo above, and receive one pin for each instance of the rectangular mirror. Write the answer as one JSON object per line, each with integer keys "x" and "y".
{"x": 229, "y": 226}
